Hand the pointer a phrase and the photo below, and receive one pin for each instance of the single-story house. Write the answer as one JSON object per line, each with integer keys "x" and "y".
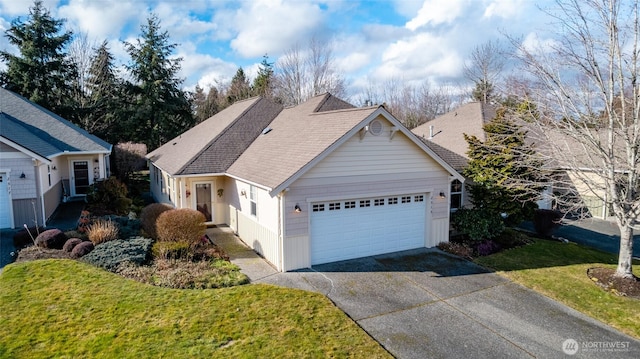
{"x": 44, "y": 159}
{"x": 320, "y": 182}
{"x": 447, "y": 132}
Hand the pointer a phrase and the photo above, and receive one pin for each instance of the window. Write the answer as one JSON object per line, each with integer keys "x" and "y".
{"x": 418, "y": 198}
{"x": 456, "y": 195}
{"x": 365, "y": 203}
{"x": 49, "y": 174}
{"x": 253, "y": 198}
{"x": 378, "y": 202}
{"x": 334, "y": 206}
{"x": 406, "y": 199}
{"x": 318, "y": 207}
{"x": 392, "y": 200}
{"x": 350, "y": 204}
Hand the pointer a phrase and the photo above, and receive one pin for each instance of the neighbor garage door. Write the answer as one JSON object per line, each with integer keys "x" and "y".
{"x": 354, "y": 228}
{"x": 5, "y": 202}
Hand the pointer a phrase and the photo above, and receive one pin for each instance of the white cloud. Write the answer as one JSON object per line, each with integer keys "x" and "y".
{"x": 21, "y": 7}
{"x": 101, "y": 19}
{"x": 272, "y": 26}
{"x": 506, "y": 9}
{"x": 533, "y": 44}
{"x": 434, "y": 12}
{"x": 180, "y": 23}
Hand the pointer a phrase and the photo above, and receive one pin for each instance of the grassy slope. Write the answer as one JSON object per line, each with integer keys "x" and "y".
{"x": 559, "y": 271}
{"x": 64, "y": 308}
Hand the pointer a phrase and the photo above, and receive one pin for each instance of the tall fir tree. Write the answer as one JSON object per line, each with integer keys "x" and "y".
{"x": 496, "y": 167}
{"x": 104, "y": 113}
{"x": 41, "y": 72}
{"x": 263, "y": 83}
{"x": 239, "y": 89}
{"x": 161, "y": 109}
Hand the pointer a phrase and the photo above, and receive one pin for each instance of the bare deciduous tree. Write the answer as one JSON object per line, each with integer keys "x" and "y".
{"x": 303, "y": 73}
{"x": 587, "y": 95}
{"x": 484, "y": 68}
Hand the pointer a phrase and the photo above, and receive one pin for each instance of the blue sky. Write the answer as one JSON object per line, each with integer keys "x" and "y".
{"x": 374, "y": 42}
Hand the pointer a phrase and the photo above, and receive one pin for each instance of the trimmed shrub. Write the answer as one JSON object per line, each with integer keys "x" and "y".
{"x": 477, "y": 224}
{"x": 181, "y": 225}
{"x": 545, "y": 221}
{"x": 82, "y": 249}
{"x": 76, "y": 234}
{"x": 70, "y": 244}
{"x": 102, "y": 231}
{"x": 24, "y": 238}
{"x": 149, "y": 217}
{"x": 171, "y": 250}
{"x": 108, "y": 196}
{"x": 487, "y": 247}
{"x": 109, "y": 255}
{"x": 51, "y": 238}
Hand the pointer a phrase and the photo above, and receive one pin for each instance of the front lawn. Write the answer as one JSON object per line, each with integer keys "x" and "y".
{"x": 65, "y": 308}
{"x": 559, "y": 271}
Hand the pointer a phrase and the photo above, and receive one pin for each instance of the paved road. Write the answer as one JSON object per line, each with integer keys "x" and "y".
{"x": 428, "y": 304}
{"x": 595, "y": 233}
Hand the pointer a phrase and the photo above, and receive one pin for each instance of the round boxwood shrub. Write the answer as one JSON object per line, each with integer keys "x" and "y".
{"x": 149, "y": 217}
{"x": 181, "y": 225}
{"x": 70, "y": 243}
{"x": 51, "y": 238}
{"x": 82, "y": 249}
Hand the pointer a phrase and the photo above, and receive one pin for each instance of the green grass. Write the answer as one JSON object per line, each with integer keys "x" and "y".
{"x": 559, "y": 271}
{"x": 69, "y": 309}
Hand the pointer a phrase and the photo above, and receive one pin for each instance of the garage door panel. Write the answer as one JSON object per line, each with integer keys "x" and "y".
{"x": 375, "y": 226}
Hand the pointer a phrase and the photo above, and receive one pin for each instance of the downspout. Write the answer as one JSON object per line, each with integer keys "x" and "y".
{"x": 281, "y": 230}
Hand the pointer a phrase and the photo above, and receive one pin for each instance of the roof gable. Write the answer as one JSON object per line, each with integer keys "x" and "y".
{"x": 448, "y": 130}
{"x": 46, "y": 134}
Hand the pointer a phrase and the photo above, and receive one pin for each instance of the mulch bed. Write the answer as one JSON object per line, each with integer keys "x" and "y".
{"x": 605, "y": 279}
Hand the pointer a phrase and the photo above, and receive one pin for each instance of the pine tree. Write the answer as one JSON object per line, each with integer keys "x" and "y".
{"x": 41, "y": 72}
{"x": 207, "y": 105}
{"x": 498, "y": 165}
{"x": 104, "y": 112}
{"x": 239, "y": 88}
{"x": 263, "y": 83}
{"x": 161, "y": 109}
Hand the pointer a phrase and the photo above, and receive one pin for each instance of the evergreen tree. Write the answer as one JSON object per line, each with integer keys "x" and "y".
{"x": 207, "y": 105}
{"x": 498, "y": 165}
{"x": 239, "y": 88}
{"x": 263, "y": 83}
{"x": 161, "y": 109}
{"x": 41, "y": 72}
{"x": 104, "y": 113}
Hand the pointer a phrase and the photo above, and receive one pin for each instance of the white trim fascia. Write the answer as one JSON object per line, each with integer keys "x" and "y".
{"x": 24, "y": 150}
{"x": 79, "y": 153}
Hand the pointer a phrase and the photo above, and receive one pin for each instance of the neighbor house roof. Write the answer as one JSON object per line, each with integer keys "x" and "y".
{"x": 214, "y": 144}
{"x": 448, "y": 130}
{"x": 42, "y": 132}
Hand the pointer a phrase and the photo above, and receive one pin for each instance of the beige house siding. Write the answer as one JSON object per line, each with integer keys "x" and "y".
{"x": 592, "y": 201}
{"x": 365, "y": 167}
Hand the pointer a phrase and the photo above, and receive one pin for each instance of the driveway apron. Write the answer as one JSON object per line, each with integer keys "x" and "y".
{"x": 428, "y": 304}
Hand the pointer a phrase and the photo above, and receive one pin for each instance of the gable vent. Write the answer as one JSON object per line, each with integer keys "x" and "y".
{"x": 375, "y": 127}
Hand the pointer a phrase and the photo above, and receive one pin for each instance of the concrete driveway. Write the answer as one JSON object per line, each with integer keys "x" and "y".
{"x": 428, "y": 304}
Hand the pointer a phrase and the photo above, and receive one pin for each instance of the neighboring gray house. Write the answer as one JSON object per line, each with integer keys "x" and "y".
{"x": 44, "y": 159}
{"x": 319, "y": 182}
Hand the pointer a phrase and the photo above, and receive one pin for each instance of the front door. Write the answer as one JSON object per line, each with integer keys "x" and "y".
{"x": 204, "y": 199}
{"x": 80, "y": 178}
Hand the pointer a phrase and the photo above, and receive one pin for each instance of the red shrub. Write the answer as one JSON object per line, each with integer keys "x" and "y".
{"x": 82, "y": 249}
{"x": 52, "y": 238}
{"x": 71, "y": 243}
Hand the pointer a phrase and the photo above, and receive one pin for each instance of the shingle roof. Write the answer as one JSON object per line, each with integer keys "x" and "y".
{"x": 449, "y": 129}
{"x": 453, "y": 159}
{"x": 299, "y": 134}
{"x": 41, "y": 131}
{"x": 213, "y": 145}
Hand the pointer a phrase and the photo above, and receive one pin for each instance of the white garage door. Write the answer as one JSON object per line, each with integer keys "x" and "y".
{"x": 363, "y": 227}
{"x": 5, "y": 202}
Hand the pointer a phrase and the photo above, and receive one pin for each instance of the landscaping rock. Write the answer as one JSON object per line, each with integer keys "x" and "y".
{"x": 82, "y": 249}
{"x": 71, "y": 243}
{"x": 51, "y": 238}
